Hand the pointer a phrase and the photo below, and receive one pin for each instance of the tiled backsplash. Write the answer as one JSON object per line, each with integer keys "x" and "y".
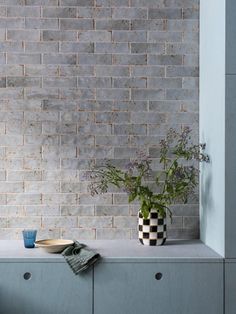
{"x": 84, "y": 80}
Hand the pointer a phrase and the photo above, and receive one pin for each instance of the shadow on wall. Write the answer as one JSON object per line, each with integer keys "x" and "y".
{"x": 206, "y": 199}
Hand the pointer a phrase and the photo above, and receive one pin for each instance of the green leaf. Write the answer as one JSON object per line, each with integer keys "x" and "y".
{"x": 132, "y": 197}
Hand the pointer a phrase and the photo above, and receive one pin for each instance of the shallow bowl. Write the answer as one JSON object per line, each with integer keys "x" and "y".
{"x": 54, "y": 245}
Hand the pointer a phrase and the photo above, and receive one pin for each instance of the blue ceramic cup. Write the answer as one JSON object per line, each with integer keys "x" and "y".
{"x": 29, "y": 237}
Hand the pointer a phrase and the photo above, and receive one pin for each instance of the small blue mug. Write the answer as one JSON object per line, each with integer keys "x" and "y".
{"x": 29, "y": 237}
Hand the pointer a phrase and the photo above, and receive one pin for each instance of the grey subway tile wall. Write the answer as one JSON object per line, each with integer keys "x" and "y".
{"x": 85, "y": 80}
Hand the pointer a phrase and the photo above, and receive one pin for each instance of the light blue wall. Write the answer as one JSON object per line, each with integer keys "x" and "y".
{"x": 212, "y": 122}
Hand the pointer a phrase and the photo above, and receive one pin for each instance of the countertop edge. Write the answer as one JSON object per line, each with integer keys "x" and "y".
{"x": 113, "y": 251}
{"x": 115, "y": 260}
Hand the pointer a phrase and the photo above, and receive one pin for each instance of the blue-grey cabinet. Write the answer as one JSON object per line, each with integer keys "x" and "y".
{"x": 160, "y": 288}
{"x": 44, "y": 288}
{"x": 230, "y": 287}
{"x": 128, "y": 287}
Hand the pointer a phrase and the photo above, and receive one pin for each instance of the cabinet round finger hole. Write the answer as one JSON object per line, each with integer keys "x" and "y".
{"x": 27, "y": 276}
{"x": 158, "y": 276}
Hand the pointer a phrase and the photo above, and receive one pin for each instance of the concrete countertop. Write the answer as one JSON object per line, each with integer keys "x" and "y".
{"x": 118, "y": 251}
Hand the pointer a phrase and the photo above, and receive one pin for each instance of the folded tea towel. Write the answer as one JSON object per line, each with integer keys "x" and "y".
{"x": 79, "y": 257}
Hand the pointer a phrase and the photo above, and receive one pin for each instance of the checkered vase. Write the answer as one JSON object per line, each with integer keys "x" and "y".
{"x": 152, "y": 231}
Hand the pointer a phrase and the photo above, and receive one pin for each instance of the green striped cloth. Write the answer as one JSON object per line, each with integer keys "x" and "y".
{"x": 79, "y": 257}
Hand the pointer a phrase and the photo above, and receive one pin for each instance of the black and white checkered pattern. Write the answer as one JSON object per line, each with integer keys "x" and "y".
{"x": 152, "y": 231}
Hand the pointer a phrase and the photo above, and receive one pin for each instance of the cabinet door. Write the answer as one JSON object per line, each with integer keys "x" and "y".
{"x": 230, "y": 288}
{"x": 44, "y": 288}
{"x": 158, "y": 288}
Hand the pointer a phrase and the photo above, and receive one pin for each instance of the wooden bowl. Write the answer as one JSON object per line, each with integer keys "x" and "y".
{"x": 54, "y": 245}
